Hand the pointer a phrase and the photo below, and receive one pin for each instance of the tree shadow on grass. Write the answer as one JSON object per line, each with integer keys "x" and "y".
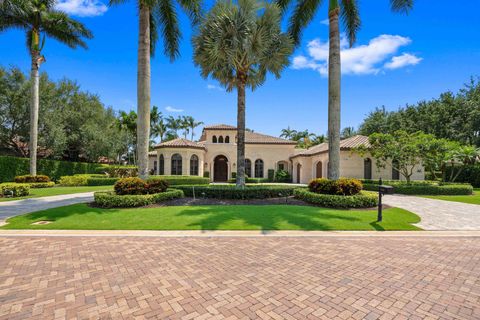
{"x": 264, "y": 218}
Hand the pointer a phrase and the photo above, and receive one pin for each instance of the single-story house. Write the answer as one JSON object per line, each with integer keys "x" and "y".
{"x": 216, "y": 153}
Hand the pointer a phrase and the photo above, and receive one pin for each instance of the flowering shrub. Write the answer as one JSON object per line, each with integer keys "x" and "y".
{"x": 342, "y": 186}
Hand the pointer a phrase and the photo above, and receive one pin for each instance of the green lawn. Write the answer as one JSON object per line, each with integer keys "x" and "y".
{"x": 274, "y": 217}
{"x": 55, "y": 191}
{"x": 473, "y": 199}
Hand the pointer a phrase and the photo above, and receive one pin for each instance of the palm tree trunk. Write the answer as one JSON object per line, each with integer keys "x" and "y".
{"x": 240, "y": 178}
{"x": 34, "y": 106}
{"x": 192, "y": 132}
{"x": 334, "y": 78}
{"x": 143, "y": 91}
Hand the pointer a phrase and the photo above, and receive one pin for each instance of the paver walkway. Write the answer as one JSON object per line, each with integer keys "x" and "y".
{"x": 438, "y": 214}
{"x": 14, "y": 208}
{"x": 239, "y": 278}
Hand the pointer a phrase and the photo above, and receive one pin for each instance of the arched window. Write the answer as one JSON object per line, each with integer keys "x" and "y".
{"x": 395, "y": 172}
{"x": 220, "y": 139}
{"x": 367, "y": 168}
{"x": 258, "y": 168}
{"x": 176, "y": 165}
{"x": 161, "y": 166}
{"x": 227, "y": 139}
{"x": 214, "y": 139}
{"x": 248, "y": 168}
{"x": 194, "y": 165}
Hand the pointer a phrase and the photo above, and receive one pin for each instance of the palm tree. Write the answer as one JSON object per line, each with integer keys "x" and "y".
{"x": 238, "y": 44}
{"x": 288, "y": 133}
{"x": 347, "y": 11}
{"x": 348, "y": 132}
{"x": 191, "y": 124}
{"x": 39, "y": 19}
{"x": 318, "y": 139}
{"x": 154, "y": 15}
{"x": 174, "y": 124}
{"x": 157, "y": 125}
{"x": 127, "y": 122}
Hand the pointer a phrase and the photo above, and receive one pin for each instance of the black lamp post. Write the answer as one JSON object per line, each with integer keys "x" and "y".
{"x": 381, "y": 191}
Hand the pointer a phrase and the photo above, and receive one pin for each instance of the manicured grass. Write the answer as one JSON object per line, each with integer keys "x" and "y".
{"x": 55, "y": 191}
{"x": 473, "y": 199}
{"x": 241, "y": 217}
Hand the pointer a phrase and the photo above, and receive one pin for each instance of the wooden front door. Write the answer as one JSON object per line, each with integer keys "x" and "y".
{"x": 319, "y": 169}
{"x": 220, "y": 169}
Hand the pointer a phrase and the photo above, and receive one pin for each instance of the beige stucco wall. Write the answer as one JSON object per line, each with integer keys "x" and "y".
{"x": 186, "y": 155}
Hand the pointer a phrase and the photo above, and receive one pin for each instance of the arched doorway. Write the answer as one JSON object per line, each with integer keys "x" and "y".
{"x": 367, "y": 169}
{"x": 319, "y": 170}
{"x": 220, "y": 169}
{"x": 299, "y": 169}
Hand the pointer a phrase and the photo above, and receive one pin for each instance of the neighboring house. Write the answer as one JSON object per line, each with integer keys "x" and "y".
{"x": 216, "y": 153}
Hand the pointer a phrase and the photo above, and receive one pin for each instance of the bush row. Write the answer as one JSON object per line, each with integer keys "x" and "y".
{"x": 137, "y": 186}
{"x": 232, "y": 192}
{"x": 10, "y": 167}
{"x": 14, "y": 189}
{"x": 31, "y": 179}
{"x": 87, "y": 180}
{"x": 363, "y": 199}
{"x": 111, "y": 200}
{"x": 116, "y": 171}
{"x": 425, "y": 189}
{"x": 39, "y": 185}
{"x": 251, "y": 180}
{"x": 342, "y": 186}
{"x": 182, "y": 180}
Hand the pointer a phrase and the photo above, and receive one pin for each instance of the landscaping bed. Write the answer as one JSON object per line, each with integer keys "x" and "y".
{"x": 112, "y": 200}
{"x": 422, "y": 187}
{"x": 362, "y": 199}
{"x": 232, "y": 192}
{"x": 182, "y": 180}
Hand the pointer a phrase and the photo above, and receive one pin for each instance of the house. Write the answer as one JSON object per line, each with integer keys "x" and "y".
{"x": 215, "y": 156}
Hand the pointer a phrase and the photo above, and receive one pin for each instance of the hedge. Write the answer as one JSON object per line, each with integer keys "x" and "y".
{"x": 31, "y": 179}
{"x": 363, "y": 199}
{"x": 39, "y": 185}
{"x": 424, "y": 188}
{"x": 470, "y": 174}
{"x": 232, "y": 192}
{"x": 182, "y": 180}
{"x": 250, "y": 180}
{"x": 14, "y": 166}
{"x": 111, "y": 200}
{"x": 117, "y": 171}
{"x": 87, "y": 180}
{"x": 18, "y": 189}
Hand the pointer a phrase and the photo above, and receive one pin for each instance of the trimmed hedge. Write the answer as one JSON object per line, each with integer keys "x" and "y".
{"x": 181, "y": 180}
{"x": 341, "y": 187}
{"x": 363, "y": 199}
{"x": 87, "y": 180}
{"x": 10, "y": 167}
{"x": 426, "y": 188}
{"x": 251, "y": 180}
{"x": 112, "y": 200}
{"x": 39, "y": 185}
{"x": 18, "y": 189}
{"x": 283, "y": 176}
{"x": 31, "y": 179}
{"x": 116, "y": 171}
{"x": 232, "y": 192}
{"x": 101, "y": 181}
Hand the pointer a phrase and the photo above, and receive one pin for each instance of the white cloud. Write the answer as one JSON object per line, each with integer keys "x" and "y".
{"x": 359, "y": 60}
{"x": 213, "y": 87}
{"x": 403, "y": 60}
{"x": 325, "y": 22}
{"x": 172, "y": 109}
{"x": 82, "y": 8}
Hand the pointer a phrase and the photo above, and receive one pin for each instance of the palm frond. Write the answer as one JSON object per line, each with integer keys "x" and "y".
{"x": 153, "y": 34}
{"x": 350, "y": 17}
{"x": 302, "y": 15}
{"x": 61, "y": 27}
{"x": 193, "y": 9}
{"x": 403, "y": 6}
{"x": 166, "y": 16}
{"x": 112, "y": 3}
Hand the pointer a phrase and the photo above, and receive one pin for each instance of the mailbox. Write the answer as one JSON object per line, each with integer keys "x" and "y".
{"x": 385, "y": 189}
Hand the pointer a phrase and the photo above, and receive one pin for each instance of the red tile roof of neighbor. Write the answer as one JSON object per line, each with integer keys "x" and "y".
{"x": 346, "y": 144}
{"x": 220, "y": 126}
{"x": 180, "y": 143}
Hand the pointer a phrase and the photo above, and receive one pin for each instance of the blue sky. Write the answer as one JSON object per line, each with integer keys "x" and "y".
{"x": 397, "y": 60}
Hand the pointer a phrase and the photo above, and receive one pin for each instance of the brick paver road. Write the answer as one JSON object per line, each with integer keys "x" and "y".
{"x": 249, "y": 278}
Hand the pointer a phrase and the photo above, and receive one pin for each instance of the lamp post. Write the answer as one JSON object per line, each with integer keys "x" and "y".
{"x": 381, "y": 191}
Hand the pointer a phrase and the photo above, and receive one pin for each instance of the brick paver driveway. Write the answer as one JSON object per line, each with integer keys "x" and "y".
{"x": 250, "y": 278}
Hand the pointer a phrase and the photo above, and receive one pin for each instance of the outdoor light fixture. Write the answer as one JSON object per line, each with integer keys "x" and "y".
{"x": 381, "y": 191}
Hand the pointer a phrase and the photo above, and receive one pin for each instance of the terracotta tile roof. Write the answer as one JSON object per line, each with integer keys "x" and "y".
{"x": 152, "y": 153}
{"x": 346, "y": 144}
{"x": 259, "y": 138}
{"x": 180, "y": 143}
{"x": 219, "y": 127}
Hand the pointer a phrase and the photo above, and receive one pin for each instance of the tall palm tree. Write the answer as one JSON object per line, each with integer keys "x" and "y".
{"x": 39, "y": 19}
{"x": 191, "y": 124}
{"x": 288, "y": 133}
{"x": 127, "y": 122}
{"x": 347, "y": 11}
{"x": 237, "y": 44}
{"x": 174, "y": 124}
{"x": 154, "y": 15}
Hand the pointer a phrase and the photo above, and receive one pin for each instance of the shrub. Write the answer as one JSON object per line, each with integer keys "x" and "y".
{"x": 422, "y": 187}
{"x": 206, "y": 174}
{"x": 119, "y": 171}
{"x": 232, "y": 192}
{"x": 363, "y": 199}
{"x": 156, "y": 185}
{"x": 14, "y": 189}
{"x": 182, "y": 180}
{"x": 14, "y": 166}
{"x": 342, "y": 186}
{"x": 271, "y": 175}
{"x": 74, "y": 181}
{"x": 39, "y": 185}
{"x": 283, "y": 176}
{"x": 101, "y": 181}
{"x": 112, "y": 200}
{"x": 250, "y": 180}
{"x": 31, "y": 179}
{"x": 130, "y": 186}
{"x": 234, "y": 175}
{"x": 470, "y": 174}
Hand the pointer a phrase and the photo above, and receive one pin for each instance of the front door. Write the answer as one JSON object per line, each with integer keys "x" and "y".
{"x": 319, "y": 169}
{"x": 299, "y": 169}
{"x": 220, "y": 169}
